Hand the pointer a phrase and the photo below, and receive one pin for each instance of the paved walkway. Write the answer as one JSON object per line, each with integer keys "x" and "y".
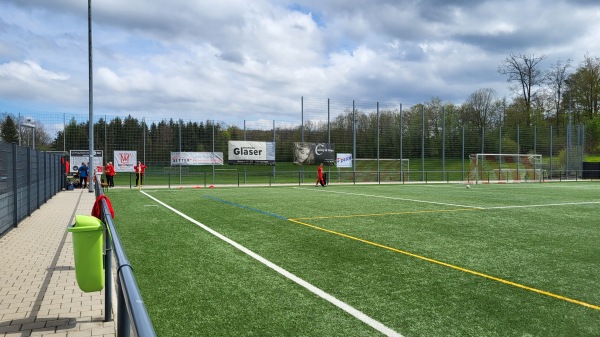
{"x": 38, "y": 292}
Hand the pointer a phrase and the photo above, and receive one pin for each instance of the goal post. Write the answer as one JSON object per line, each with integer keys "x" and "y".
{"x": 495, "y": 167}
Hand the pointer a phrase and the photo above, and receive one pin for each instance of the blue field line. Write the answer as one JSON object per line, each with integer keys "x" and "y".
{"x": 246, "y": 207}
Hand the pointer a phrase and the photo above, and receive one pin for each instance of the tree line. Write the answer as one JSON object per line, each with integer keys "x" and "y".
{"x": 554, "y": 97}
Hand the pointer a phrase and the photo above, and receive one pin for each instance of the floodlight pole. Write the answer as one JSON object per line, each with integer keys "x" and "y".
{"x": 91, "y": 100}
{"x": 180, "y": 150}
{"x": 28, "y": 124}
{"x": 568, "y": 81}
{"x": 354, "y": 139}
{"x": 328, "y": 132}
{"x": 32, "y": 127}
{"x": 569, "y": 134}
{"x": 400, "y": 136}
{"x": 302, "y": 134}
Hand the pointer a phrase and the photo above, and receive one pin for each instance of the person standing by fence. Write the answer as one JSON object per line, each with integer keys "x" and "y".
{"x": 83, "y": 175}
{"x": 110, "y": 174}
{"x": 67, "y": 167}
{"x": 139, "y": 173}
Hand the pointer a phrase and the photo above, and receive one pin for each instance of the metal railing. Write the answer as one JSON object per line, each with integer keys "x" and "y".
{"x": 131, "y": 311}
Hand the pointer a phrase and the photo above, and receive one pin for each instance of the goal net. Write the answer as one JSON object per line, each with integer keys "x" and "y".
{"x": 492, "y": 167}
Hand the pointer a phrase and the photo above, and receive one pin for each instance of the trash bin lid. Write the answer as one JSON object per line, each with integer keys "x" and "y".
{"x": 86, "y": 223}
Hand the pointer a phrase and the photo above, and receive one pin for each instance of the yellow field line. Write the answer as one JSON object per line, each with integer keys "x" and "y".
{"x": 391, "y": 213}
{"x": 542, "y": 292}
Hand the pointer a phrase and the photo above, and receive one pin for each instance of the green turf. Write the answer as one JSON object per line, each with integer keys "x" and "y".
{"x": 290, "y": 173}
{"x": 424, "y": 260}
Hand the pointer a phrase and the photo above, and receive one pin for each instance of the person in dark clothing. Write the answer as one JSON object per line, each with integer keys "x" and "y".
{"x": 83, "y": 175}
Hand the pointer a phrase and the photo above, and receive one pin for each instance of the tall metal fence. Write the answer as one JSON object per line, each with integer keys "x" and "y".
{"x": 434, "y": 144}
{"x": 28, "y": 179}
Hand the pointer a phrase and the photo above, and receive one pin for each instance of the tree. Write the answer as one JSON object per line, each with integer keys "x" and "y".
{"x": 412, "y": 131}
{"x": 586, "y": 88}
{"x": 8, "y": 132}
{"x": 482, "y": 108}
{"x": 524, "y": 70}
{"x": 388, "y": 134}
{"x": 512, "y": 116}
{"x": 556, "y": 78}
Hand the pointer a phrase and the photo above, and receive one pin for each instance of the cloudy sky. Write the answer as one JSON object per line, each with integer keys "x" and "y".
{"x": 235, "y": 59}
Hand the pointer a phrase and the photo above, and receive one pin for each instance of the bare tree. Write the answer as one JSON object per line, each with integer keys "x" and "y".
{"x": 556, "y": 78}
{"x": 524, "y": 70}
{"x": 482, "y": 108}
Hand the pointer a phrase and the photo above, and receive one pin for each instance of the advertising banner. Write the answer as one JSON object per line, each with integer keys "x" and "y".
{"x": 314, "y": 153}
{"x": 344, "y": 160}
{"x": 83, "y": 156}
{"x": 125, "y": 161}
{"x": 251, "y": 153}
{"x": 196, "y": 158}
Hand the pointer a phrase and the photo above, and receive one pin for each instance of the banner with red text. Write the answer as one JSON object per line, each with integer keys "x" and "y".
{"x": 125, "y": 161}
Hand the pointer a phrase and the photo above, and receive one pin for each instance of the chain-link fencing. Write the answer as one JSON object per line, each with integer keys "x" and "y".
{"x": 388, "y": 142}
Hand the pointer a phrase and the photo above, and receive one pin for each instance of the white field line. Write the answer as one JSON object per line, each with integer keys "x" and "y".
{"x": 392, "y": 198}
{"x": 545, "y": 205}
{"x": 447, "y": 204}
{"x": 329, "y": 298}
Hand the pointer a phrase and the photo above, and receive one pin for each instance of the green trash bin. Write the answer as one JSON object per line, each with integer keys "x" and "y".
{"x": 87, "y": 247}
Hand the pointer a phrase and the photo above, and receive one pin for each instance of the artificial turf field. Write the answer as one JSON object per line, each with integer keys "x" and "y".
{"x": 366, "y": 260}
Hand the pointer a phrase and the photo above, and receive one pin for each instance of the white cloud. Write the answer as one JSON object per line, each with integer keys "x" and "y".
{"x": 28, "y": 80}
{"x": 236, "y": 59}
{"x": 29, "y": 71}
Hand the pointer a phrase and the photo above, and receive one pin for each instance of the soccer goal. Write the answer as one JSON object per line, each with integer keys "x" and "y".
{"x": 388, "y": 169}
{"x": 499, "y": 168}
